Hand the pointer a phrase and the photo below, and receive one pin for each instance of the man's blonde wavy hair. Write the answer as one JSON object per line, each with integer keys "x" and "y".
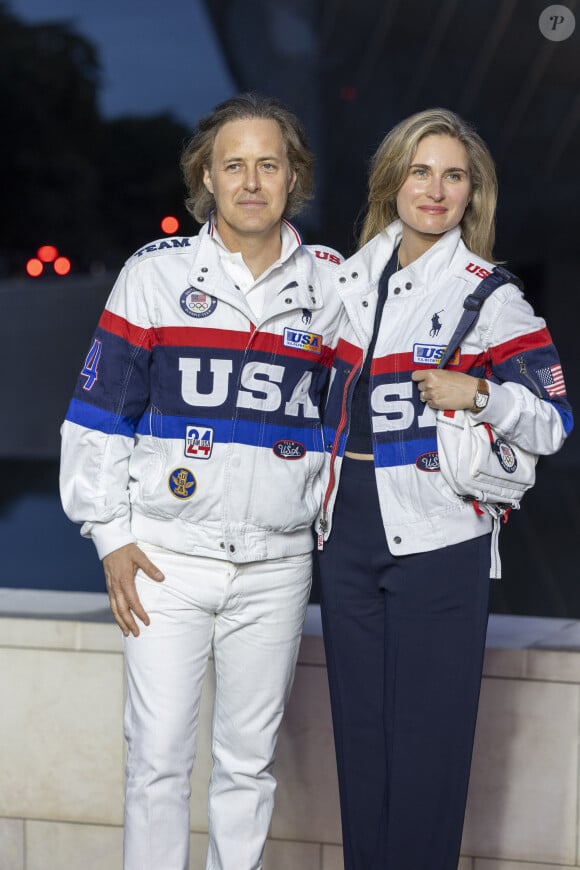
{"x": 198, "y": 151}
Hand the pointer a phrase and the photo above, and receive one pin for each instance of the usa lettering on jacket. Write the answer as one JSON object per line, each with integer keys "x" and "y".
{"x": 260, "y": 387}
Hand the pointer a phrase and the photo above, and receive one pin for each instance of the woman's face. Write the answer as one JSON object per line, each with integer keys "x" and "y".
{"x": 435, "y": 194}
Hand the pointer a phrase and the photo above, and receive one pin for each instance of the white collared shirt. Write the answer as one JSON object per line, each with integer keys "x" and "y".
{"x": 256, "y": 290}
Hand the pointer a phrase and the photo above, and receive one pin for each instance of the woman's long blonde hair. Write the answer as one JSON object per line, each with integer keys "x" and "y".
{"x": 390, "y": 167}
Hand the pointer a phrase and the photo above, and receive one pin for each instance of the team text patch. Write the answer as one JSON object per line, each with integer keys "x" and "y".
{"x": 198, "y": 442}
{"x": 480, "y": 271}
{"x": 288, "y": 449}
{"x": 302, "y": 340}
{"x": 164, "y": 245}
{"x": 182, "y": 483}
{"x": 196, "y": 303}
{"x": 326, "y": 255}
{"x": 430, "y": 354}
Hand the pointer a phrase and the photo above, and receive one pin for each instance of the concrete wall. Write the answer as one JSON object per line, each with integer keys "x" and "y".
{"x": 62, "y": 749}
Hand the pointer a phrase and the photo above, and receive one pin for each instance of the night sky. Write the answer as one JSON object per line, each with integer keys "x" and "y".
{"x": 154, "y": 58}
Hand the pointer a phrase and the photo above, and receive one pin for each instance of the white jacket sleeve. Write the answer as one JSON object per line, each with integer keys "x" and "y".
{"x": 528, "y": 404}
{"x": 98, "y": 434}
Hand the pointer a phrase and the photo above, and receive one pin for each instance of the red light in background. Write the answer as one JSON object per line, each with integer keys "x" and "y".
{"x": 348, "y": 93}
{"x": 169, "y": 225}
{"x": 62, "y": 265}
{"x": 34, "y": 267}
{"x": 47, "y": 253}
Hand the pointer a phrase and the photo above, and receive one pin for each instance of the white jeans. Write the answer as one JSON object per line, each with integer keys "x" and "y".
{"x": 252, "y": 616}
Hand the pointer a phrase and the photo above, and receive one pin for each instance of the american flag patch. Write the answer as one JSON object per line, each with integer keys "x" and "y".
{"x": 552, "y": 379}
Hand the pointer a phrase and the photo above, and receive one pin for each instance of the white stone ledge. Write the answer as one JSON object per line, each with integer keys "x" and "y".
{"x": 61, "y": 668}
{"x": 83, "y": 620}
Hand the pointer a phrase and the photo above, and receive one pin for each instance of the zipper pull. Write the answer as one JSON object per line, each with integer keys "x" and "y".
{"x": 320, "y": 538}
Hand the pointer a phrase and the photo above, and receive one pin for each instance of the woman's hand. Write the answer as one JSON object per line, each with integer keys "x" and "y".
{"x": 443, "y": 390}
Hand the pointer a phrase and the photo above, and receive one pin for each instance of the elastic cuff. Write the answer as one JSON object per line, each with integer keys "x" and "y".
{"x": 108, "y": 536}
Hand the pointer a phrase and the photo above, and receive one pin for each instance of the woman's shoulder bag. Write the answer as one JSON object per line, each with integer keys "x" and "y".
{"x": 476, "y": 463}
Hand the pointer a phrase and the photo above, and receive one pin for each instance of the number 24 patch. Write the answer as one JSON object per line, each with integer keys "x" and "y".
{"x": 198, "y": 442}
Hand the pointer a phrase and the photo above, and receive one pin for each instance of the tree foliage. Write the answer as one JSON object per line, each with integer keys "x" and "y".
{"x": 94, "y": 188}
{"x": 141, "y": 180}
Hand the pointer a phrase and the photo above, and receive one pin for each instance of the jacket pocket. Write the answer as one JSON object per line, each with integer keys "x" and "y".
{"x": 148, "y": 463}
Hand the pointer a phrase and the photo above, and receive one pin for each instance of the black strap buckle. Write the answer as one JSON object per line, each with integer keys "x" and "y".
{"x": 472, "y": 302}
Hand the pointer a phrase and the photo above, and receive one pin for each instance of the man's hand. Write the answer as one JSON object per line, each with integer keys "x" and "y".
{"x": 120, "y": 568}
{"x": 444, "y": 390}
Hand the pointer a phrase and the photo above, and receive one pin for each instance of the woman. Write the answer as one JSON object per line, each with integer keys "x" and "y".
{"x": 404, "y": 563}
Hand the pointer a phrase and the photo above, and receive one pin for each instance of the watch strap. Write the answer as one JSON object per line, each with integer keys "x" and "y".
{"x": 482, "y": 390}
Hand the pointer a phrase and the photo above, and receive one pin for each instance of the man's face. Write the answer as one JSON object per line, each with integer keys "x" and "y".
{"x": 250, "y": 178}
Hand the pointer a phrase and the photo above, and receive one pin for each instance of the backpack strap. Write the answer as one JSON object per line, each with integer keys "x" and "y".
{"x": 472, "y": 306}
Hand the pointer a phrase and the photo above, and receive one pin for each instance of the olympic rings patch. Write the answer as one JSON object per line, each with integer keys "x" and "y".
{"x": 196, "y": 303}
{"x": 505, "y": 455}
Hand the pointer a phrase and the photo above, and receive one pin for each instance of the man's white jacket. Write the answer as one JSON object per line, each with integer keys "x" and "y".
{"x": 510, "y": 346}
{"x": 191, "y": 426}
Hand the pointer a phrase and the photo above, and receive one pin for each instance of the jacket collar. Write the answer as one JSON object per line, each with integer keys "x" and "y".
{"x": 427, "y": 269}
{"x": 301, "y": 284}
{"x": 362, "y": 271}
{"x": 290, "y": 237}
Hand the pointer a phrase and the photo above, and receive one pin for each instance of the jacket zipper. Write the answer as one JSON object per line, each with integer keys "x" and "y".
{"x": 323, "y": 525}
{"x": 524, "y": 372}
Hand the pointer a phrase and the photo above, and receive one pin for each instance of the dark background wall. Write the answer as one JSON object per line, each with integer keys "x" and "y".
{"x": 99, "y": 185}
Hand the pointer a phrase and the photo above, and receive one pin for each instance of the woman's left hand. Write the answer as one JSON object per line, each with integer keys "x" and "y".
{"x": 444, "y": 390}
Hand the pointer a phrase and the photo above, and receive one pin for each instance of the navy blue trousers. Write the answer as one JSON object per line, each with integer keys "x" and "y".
{"x": 404, "y": 639}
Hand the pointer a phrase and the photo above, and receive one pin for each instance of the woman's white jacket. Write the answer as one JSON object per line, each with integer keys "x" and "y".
{"x": 509, "y": 346}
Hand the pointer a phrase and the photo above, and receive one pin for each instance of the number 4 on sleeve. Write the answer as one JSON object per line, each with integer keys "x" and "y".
{"x": 90, "y": 370}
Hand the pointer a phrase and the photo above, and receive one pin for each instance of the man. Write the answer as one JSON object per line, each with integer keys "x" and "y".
{"x": 191, "y": 453}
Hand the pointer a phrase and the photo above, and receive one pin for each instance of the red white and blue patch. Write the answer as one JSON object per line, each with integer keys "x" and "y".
{"x": 505, "y": 455}
{"x": 552, "y": 380}
{"x": 302, "y": 340}
{"x": 289, "y": 449}
{"x": 198, "y": 442}
{"x": 430, "y": 354}
{"x": 182, "y": 483}
{"x": 428, "y": 461}
{"x": 196, "y": 303}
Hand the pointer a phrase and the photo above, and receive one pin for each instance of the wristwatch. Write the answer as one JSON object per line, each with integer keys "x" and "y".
{"x": 481, "y": 397}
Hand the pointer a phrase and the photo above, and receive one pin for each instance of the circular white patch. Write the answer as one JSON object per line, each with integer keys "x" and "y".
{"x": 557, "y": 23}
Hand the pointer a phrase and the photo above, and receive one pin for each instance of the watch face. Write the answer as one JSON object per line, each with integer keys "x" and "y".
{"x": 481, "y": 399}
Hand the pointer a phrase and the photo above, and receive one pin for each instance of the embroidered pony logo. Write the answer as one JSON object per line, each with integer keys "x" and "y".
{"x": 436, "y": 323}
